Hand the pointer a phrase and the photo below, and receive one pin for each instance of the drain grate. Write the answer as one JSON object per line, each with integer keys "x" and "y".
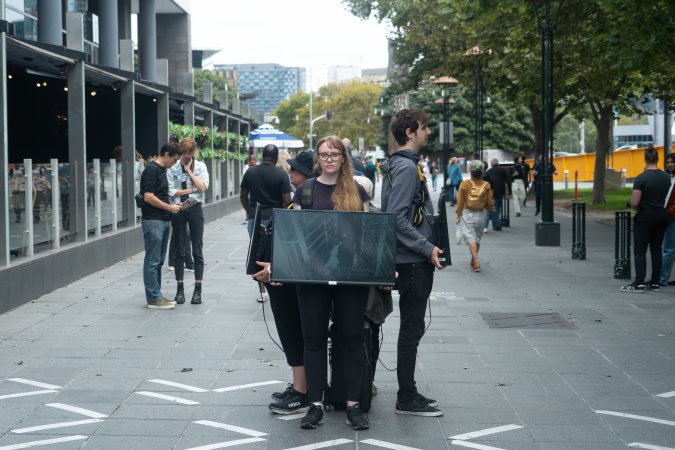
{"x": 527, "y": 320}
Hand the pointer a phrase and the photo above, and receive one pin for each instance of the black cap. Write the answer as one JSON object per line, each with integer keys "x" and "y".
{"x": 303, "y": 163}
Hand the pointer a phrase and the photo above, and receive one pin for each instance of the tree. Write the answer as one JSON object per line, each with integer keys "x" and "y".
{"x": 218, "y": 83}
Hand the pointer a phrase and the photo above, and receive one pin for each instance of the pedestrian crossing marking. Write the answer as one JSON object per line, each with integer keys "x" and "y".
{"x": 245, "y": 386}
{"x": 325, "y": 444}
{"x": 51, "y": 426}
{"x": 170, "y": 398}
{"x": 234, "y": 428}
{"x": 43, "y": 442}
{"x": 76, "y": 410}
{"x": 34, "y": 383}
{"x": 187, "y": 387}
{"x": 636, "y": 417}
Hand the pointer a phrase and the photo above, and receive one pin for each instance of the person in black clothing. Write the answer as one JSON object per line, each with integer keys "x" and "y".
{"x": 155, "y": 222}
{"x": 499, "y": 182}
{"x": 265, "y": 185}
{"x": 518, "y": 174}
{"x": 649, "y": 225}
{"x": 538, "y": 171}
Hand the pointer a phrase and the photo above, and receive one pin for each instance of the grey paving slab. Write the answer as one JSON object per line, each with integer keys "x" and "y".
{"x": 97, "y": 342}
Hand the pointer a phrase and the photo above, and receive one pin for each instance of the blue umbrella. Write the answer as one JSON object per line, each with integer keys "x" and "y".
{"x": 267, "y": 134}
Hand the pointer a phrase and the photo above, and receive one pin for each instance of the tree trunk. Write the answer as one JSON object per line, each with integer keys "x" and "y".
{"x": 603, "y": 125}
{"x": 535, "y": 111}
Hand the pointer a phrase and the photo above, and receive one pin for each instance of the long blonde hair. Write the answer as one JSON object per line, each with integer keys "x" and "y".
{"x": 345, "y": 196}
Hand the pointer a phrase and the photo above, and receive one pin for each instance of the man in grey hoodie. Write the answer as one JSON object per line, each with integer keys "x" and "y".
{"x": 405, "y": 194}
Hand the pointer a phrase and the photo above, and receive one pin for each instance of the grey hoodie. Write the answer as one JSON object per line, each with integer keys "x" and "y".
{"x": 399, "y": 197}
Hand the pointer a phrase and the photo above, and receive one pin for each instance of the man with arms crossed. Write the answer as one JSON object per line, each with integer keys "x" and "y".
{"x": 403, "y": 187}
{"x": 156, "y": 218}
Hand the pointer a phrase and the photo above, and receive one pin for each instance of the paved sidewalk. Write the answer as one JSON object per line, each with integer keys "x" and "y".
{"x": 88, "y": 366}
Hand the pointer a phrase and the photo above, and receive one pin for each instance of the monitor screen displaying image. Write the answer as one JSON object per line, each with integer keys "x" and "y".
{"x": 333, "y": 247}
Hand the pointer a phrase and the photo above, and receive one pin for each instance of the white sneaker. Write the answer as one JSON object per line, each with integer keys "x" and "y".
{"x": 170, "y": 268}
{"x": 485, "y": 230}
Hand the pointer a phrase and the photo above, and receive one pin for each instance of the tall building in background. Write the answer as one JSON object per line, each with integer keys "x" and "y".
{"x": 338, "y": 74}
{"x": 271, "y": 82}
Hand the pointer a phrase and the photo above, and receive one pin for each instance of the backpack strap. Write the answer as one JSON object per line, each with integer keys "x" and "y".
{"x": 307, "y": 194}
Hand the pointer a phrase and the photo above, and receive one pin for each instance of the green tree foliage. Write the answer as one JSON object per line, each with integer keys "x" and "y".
{"x": 218, "y": 84}
{"x": 606, "y": 52}
{"x": 353, "y": 112}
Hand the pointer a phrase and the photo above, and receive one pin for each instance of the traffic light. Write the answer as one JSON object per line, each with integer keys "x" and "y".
{"x": 329, "y": 114}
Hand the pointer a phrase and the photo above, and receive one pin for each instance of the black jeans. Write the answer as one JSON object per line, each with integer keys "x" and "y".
{"x": 195, "y": 218}
{"x": 414, "y": 286}
{"x": 284, "y": 301}
{"x": 188, "y": 250}
{"x": 537, "y": 191}
{"x": 349, "y": 313}
{"x": 649, "y": 228}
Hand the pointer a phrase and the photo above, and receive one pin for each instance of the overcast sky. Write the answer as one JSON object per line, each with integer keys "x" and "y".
{"x": 305, "y": 33}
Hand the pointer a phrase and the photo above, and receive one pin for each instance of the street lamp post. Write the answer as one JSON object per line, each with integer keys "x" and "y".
{"x": 477, "y": 54}
{"x": 547, "y": 232}
{"x": 445, "y": 83}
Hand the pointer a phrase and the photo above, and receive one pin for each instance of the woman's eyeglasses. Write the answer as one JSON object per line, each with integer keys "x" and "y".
{"x": 333, "y": 156}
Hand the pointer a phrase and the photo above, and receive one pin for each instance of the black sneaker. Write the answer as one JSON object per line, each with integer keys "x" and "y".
{"x": 634, "y": 287}
{"x": 282, "y": 395}
{"x": 313, "y": 418}
{"x": 426, "y": 401}
{"x": 357, "y": 418}
{"x": 653, "y": 286}
{"x": 417, "y": 408}
{"x": 294, "y": 402}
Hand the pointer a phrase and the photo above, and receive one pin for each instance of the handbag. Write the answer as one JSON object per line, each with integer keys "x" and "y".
{"x": 139, "y": 200}
{"x": 379, "y": 305}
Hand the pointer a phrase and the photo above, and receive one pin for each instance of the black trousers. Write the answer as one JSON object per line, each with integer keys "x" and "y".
{"x": 189, "y": 262}
{"x": 195, "y": 218}
{"x": 414, "y": 286}
{"x": 348, "y": 304}
{"x": 284, "y": 302}
{"x": 648, "y": 231}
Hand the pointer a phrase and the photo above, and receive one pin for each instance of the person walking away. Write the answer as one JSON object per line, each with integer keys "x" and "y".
{"x": 475, "y": 195}
{"x": 499, "y": 184}
{"x": 519, "y": 183}
{"x": 538, "y": 172}
{"x": 156, "y": 213}
{"x": 649, "y": 224}
{"x": 434, "y": 175}
{"x": 454, "y": 180}
{"x": 333, "y": 189}
{"x": 669, "y": 238}
{"x": 404, "y": 194}
{"x": 370, "y": 171}
{"x": 188, "y": 179}
{"x": 265, "y": 185}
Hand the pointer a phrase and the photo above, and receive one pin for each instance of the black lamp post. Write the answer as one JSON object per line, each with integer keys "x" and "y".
{"x": 477, "y": 54}
{"x": 547, "y": 232}
{"x": 445, "y": 83}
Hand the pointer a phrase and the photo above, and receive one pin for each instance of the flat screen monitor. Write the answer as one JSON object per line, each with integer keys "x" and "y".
{"x": 333, "y": 247}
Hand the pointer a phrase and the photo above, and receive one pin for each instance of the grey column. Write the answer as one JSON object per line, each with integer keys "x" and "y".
{"x": 189, "y": 107}
{"x": 128, "y": 125}
{"x": 207, "y": 89}
{"x": 124, "y": 19}
{"x": 162, "y": 120}
{"x": 147, "y": 39}
{"x": 4, "y": 157}
{"x": 49, "y": 22}
{"x": 108, "y": 34}
{"x": 77, "y": 151}
{"x": 208, "y": 123}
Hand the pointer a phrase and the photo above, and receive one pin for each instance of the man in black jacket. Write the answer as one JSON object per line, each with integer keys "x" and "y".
{"x": 499, "y": 182}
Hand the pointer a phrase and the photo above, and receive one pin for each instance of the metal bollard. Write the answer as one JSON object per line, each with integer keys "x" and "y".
{"x": 506, "y": 215}
{"x": 623, "y": 178}
{"x": 578, "y": 230}
{"x": 622, "y": 237}
{"x": 567, "y": 178}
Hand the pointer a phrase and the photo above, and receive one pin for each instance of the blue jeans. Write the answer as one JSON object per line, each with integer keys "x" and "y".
{"x": 414, "y": 286}
{"x": 496, "y": 215}
{"x": 156, "y": 238}
{"x": 668, "y": 252}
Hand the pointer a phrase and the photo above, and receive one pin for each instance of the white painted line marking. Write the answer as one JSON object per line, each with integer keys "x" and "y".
{"x": 34, "y": 383}
{"x": 76, "y": 410}
{"x": 234, "y": 428}
{"x": 387, "y": 445}
{"x": 485, "y": 432}
{"x": 290, "y": 416}
{"x": 182, "y": 401}
{"x": 472, "y": 445}
{"x": 322, "y": 444}
{"x": 51, "y": 426}
{"x": 77, "y": 437}
{"x": 226, "y": 444}
{"x": 666, "y": 394}
{"x": 649, "y": 446}
{"x": 636, "y": 417}
{"x": 25, "y": 394}
{"x": 180, "y": 385}
{"x": 244, "y": 386}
